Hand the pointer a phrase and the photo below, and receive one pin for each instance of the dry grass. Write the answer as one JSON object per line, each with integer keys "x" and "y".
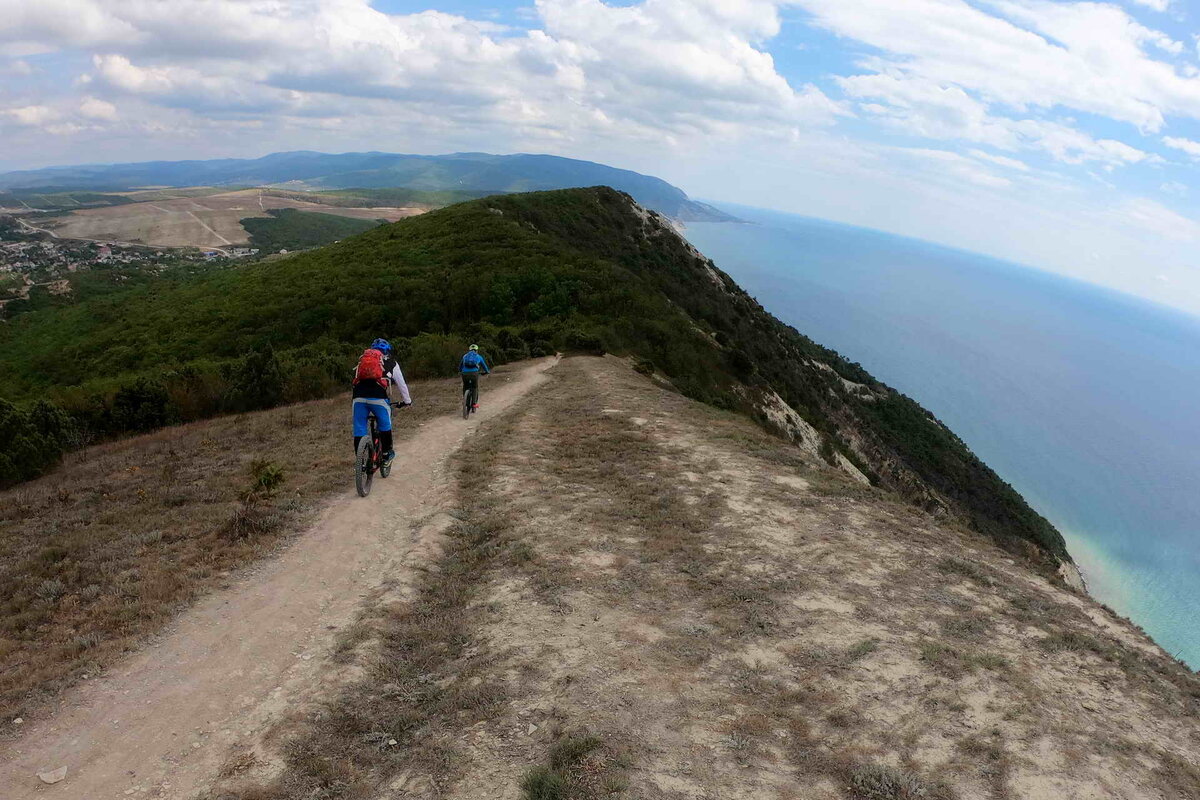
{"x": 103, "y": 552}
{"x": 728, "y": 619}
{"x": 579, "y": 767}
{"x": 754, "y": 624}
{"x": 424, "y": 681}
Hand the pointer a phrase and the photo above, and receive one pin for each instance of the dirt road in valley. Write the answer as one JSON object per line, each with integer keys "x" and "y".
{"x": 162, "y": 724}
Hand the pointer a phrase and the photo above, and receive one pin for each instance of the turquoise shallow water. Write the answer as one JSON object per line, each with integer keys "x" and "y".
{"x": 1085, "y": 400}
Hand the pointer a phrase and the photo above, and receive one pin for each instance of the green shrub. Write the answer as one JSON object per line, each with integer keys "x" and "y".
{"x": 267, "y": 477}
{"x": 256, "y": 382}
{"x": 543, "y": 783}
{"x": 578, "y": 341}
{"x": 142, "y": 406}
{"x": 291, "y": 229}
{"x": 433, "y": 356}
{"x": 32, "y": 441}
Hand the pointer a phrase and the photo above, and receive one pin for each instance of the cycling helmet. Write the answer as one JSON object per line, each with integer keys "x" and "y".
{"x": 382, "y": 345}
{"x": 474, "y": 347}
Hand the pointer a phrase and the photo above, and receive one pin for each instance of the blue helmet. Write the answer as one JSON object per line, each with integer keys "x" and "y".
{"x": 382, "y": 345}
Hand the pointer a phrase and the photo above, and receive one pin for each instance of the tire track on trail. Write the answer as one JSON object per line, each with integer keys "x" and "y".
{"x": 162, "y": 724}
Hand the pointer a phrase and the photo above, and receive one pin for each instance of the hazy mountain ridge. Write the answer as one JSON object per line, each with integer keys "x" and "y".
{"x": 477, "y": 172}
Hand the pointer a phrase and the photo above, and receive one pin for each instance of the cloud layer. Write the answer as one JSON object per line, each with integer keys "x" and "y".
{"x": 986, "y": 106}
{"x": 660, "y": 70}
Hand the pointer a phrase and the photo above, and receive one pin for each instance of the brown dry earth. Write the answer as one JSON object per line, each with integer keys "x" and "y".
{"x": 634, "y": 595}
{"x": 715, "y": 615}
{"x": 160, "y": 724}
{"x": 213, "y": 220}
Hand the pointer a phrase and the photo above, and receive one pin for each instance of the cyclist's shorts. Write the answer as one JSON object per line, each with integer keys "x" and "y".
{"x": 364, "y": 407}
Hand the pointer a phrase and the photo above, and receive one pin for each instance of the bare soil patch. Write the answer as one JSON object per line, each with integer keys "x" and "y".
{"x": 198, "y": 219}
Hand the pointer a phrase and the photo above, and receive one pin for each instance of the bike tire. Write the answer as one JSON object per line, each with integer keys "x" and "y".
{"x": 363, "y": 474}
{"x": 466, "y": 403}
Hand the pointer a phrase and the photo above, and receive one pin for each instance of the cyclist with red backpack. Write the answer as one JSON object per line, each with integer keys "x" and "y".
{"x": 377, "y": 371}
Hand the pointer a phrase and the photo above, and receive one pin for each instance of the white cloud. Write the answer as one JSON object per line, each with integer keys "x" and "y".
{"x": 660, "y": 70}
{"x": 957, "y": 165}
{"x": 94, "y": 108}
{"x": 32, "y": 116}
{"x": 1186, "y": 145}
{"x": 1091, "y": 57}
{"x": 1003, "y": 161}
{"x": 1156, "y": 5}
{"x": 925, "y": 108}
{"x": 1156, "y": 218}
{"x": 42, "y": 26}
{"x": 16, "y": 67}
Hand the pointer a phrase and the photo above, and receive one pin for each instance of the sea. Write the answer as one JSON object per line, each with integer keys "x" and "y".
{"x": 1086, "y": 400}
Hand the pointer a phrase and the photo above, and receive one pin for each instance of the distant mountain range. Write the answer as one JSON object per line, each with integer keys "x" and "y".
{"x": 477, "y": 172}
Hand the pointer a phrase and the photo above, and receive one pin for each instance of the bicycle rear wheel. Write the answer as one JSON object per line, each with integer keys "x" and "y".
{"x": 466, "y": 403}
{"x": 364, "y": 466}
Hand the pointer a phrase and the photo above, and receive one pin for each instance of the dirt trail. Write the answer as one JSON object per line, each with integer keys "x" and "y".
{"x": 161, "y": 724}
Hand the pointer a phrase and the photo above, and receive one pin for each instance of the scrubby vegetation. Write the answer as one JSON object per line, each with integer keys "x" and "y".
{"x": 63, "y": 200}
{"x": 32, "y": 439}
{"x": 391, "y": 197}
{"x": 578, "y": 270}
{"x": 289, "y": 229}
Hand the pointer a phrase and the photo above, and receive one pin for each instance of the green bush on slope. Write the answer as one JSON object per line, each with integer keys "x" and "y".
{"x": 289, "y": 229}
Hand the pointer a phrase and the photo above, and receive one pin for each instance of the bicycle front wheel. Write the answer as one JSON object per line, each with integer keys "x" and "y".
{"x": 364, "y": 466}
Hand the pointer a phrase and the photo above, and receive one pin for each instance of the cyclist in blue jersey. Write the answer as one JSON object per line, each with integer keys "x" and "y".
{"x": 469, "y": 367}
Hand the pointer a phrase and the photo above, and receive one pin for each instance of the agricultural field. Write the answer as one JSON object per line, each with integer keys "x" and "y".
{"x": 204, "y": 221}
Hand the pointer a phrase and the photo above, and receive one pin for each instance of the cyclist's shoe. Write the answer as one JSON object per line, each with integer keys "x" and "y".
{"x": 389, "y": 457}
{"x": 475, "y": 407}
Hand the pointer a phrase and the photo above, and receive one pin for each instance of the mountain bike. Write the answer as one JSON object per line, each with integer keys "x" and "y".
{"x": 369, "y": 458}
{"x": 471, "y": 398}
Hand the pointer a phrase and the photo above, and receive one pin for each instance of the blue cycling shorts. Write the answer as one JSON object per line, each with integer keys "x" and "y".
{"x": 364, "y": 407}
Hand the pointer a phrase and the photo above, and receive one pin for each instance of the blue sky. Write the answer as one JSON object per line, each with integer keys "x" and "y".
{"x": 1065, "y": 135}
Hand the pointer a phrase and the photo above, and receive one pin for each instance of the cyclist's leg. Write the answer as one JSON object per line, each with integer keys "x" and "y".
{"x": 383, "y": 413}
{"x": 360, "y": 415}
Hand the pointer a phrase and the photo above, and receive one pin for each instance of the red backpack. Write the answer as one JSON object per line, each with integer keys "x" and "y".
{"x": 370, "y": 368}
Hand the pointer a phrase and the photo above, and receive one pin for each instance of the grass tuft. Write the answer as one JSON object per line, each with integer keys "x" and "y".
{"x": 580, "y": 768}
{"x": 880, "y": 782}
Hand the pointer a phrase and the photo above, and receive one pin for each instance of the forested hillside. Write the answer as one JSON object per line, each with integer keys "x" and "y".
{"x": 523, "y": 275}
{"x": 289, "y": 229}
